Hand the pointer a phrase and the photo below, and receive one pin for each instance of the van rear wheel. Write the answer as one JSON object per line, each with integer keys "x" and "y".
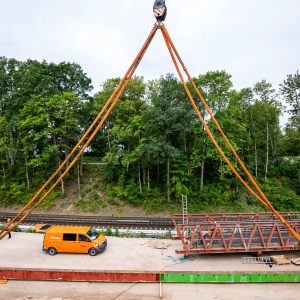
{"x": 52, "y": 251}
{"x": 93, "y": 252}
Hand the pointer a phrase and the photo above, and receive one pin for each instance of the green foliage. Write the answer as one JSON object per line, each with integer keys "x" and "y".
{"x": 142, "y": 235}
{"x": 153, "y": 144}
{"x": 108, "y": 232}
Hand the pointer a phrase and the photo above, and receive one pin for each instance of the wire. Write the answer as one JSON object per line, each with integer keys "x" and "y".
{"x": 124, "y": 291}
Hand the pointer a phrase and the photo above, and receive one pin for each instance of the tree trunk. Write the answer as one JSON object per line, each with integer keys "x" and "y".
{"x": 7, "y": 155}
{"x": 144, "y": 175}
{"x": 3, "y": 174}
{"x": 81, "y": 165}
{"x": 255, "y": 151}
{"x": 157, "y": 165}
{"x": 127, "y": 163}
{"x": 190, "y": 161}
{"x": 185, "y": 151}
{"x": 78, "y": 178}
{"x": 249, "y": 158}
{"x": 108, "y": 137}
{"x": 62, "y": 181}
{"x": 11, "y": 148}
{"x": 139, "y": 173}
{"x": 202, "y": 165}
{"x": 66, "y": 148}
{"x": 27, "y": 177}
{"x": 148, "y": 176}
{"x": 168, "y": 176}
{"x": 221, "y": 165}
{"x": 221, "y": 168}
{"x": 267, "y": 161}
{"x": 243, "y": 152}
{"x": 272, "y": 148}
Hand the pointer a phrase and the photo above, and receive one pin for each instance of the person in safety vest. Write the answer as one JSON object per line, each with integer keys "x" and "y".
{"x": 9, "y": 235}
{"x": 199, "y": 236}
{"x": 212, "y": 221}
{"x": 185, "y": 244}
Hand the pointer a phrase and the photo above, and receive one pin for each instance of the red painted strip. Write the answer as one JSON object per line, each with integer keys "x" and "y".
{"x": 78, "y": 276}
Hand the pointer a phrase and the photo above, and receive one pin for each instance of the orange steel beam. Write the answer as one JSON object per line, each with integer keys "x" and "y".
{"x": 267, "y": 203}
{"x": 215, "y": 121}
{"x": 87, "y": 132}
{"x": 135, "y": 65}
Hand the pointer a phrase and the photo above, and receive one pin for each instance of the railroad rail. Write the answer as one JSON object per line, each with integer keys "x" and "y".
{"x": 93, "y": 220}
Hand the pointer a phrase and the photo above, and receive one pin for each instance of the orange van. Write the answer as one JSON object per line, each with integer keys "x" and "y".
{"x": 72, "y": 239}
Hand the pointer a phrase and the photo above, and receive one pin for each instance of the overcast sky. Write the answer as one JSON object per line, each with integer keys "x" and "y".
{"x": 251, "y": 40}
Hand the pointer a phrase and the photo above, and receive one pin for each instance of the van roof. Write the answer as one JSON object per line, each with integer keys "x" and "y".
{"x": 68, "y": 229}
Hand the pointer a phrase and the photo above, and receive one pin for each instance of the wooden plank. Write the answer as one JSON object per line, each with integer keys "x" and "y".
{"x": 156, "y": 245}
{"x": 280, "y": 260}
{"x": 296, "y": 261}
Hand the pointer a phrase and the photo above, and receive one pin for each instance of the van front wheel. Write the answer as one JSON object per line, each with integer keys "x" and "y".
{"x": 52, "y": 251}
{"x": 93, "y": 251}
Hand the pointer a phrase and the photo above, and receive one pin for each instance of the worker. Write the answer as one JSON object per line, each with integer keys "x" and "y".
{"x": 212, "y": 221}
{"x": 9, "y": 235}
{"x": 199, "y": 236}
{"x": 185, "y": 245}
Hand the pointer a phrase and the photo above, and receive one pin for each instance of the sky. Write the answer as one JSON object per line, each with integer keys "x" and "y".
{"x": 251, "y": 40}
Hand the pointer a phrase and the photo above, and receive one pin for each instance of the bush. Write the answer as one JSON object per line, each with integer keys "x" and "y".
{"x": 142, "y": 235}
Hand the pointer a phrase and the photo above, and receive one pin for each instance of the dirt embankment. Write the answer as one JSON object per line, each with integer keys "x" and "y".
{"x": 67, "y": 206}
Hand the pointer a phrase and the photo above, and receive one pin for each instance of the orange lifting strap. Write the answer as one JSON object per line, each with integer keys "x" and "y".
{"x": 127, "y": 77}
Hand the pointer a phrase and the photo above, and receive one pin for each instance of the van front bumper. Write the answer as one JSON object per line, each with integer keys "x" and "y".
{"x": 102, "y": 246}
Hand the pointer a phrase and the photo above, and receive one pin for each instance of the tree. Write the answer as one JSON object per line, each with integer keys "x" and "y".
{"x": 268, "y": 97}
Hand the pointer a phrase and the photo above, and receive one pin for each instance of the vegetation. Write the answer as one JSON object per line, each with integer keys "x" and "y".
{"x": 153, "y": 144}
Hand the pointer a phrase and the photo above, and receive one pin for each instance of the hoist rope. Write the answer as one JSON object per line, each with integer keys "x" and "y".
{"x": 171, "y": 46}
{"x": 127, "y": 77}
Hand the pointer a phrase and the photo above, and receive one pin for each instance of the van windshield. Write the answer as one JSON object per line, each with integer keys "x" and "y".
{"x": 93, "y": 234}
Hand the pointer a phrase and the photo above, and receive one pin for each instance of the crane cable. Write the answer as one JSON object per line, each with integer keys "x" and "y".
{"x": 127, "y": 77}
{"x": 171, "y": 46}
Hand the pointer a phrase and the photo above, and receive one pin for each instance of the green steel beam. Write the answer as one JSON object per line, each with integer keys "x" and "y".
{"x": 234, "y": 278}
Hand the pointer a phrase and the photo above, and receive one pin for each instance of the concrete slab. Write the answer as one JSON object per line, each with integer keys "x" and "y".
{"x": 24, "y": 250}
{"x": 41, "y": 290}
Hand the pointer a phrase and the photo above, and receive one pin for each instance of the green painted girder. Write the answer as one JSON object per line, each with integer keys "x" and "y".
{"x": 234, "y": 278}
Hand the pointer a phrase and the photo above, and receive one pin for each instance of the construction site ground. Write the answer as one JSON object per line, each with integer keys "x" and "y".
{"x": 24, "y": 250}
{"x": 44, "y": 290}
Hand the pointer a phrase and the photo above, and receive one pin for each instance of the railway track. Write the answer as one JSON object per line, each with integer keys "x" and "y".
{"x": 97, "y": 221}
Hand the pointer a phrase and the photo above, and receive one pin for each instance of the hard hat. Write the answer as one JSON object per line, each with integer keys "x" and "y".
{"x": 8, "y": 220}
{"x": 212, "y": 219}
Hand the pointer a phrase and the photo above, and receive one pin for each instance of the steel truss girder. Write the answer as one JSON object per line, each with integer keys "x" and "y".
{"x": 238, "y": 237}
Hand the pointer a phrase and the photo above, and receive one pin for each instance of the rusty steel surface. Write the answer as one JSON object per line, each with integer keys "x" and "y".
{"x": 73, "y": 275}
{"x": 236, "y": 217}
{"x": 223, "y": 237}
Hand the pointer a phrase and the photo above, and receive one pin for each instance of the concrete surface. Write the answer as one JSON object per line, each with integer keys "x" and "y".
{"x": 43, "y": 290}
{"x": 24, "y": 250}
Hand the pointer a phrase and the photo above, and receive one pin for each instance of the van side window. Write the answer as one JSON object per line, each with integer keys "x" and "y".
{"x": 69, "y": 237}
{"x": 83, "y": 238}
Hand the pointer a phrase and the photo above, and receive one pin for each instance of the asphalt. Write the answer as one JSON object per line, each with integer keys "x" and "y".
{"x": 15, "y": 289}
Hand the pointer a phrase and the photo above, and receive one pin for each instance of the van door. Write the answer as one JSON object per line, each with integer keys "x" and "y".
{"x": 83, "y": 244}
{"x": 69, "y": 242}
